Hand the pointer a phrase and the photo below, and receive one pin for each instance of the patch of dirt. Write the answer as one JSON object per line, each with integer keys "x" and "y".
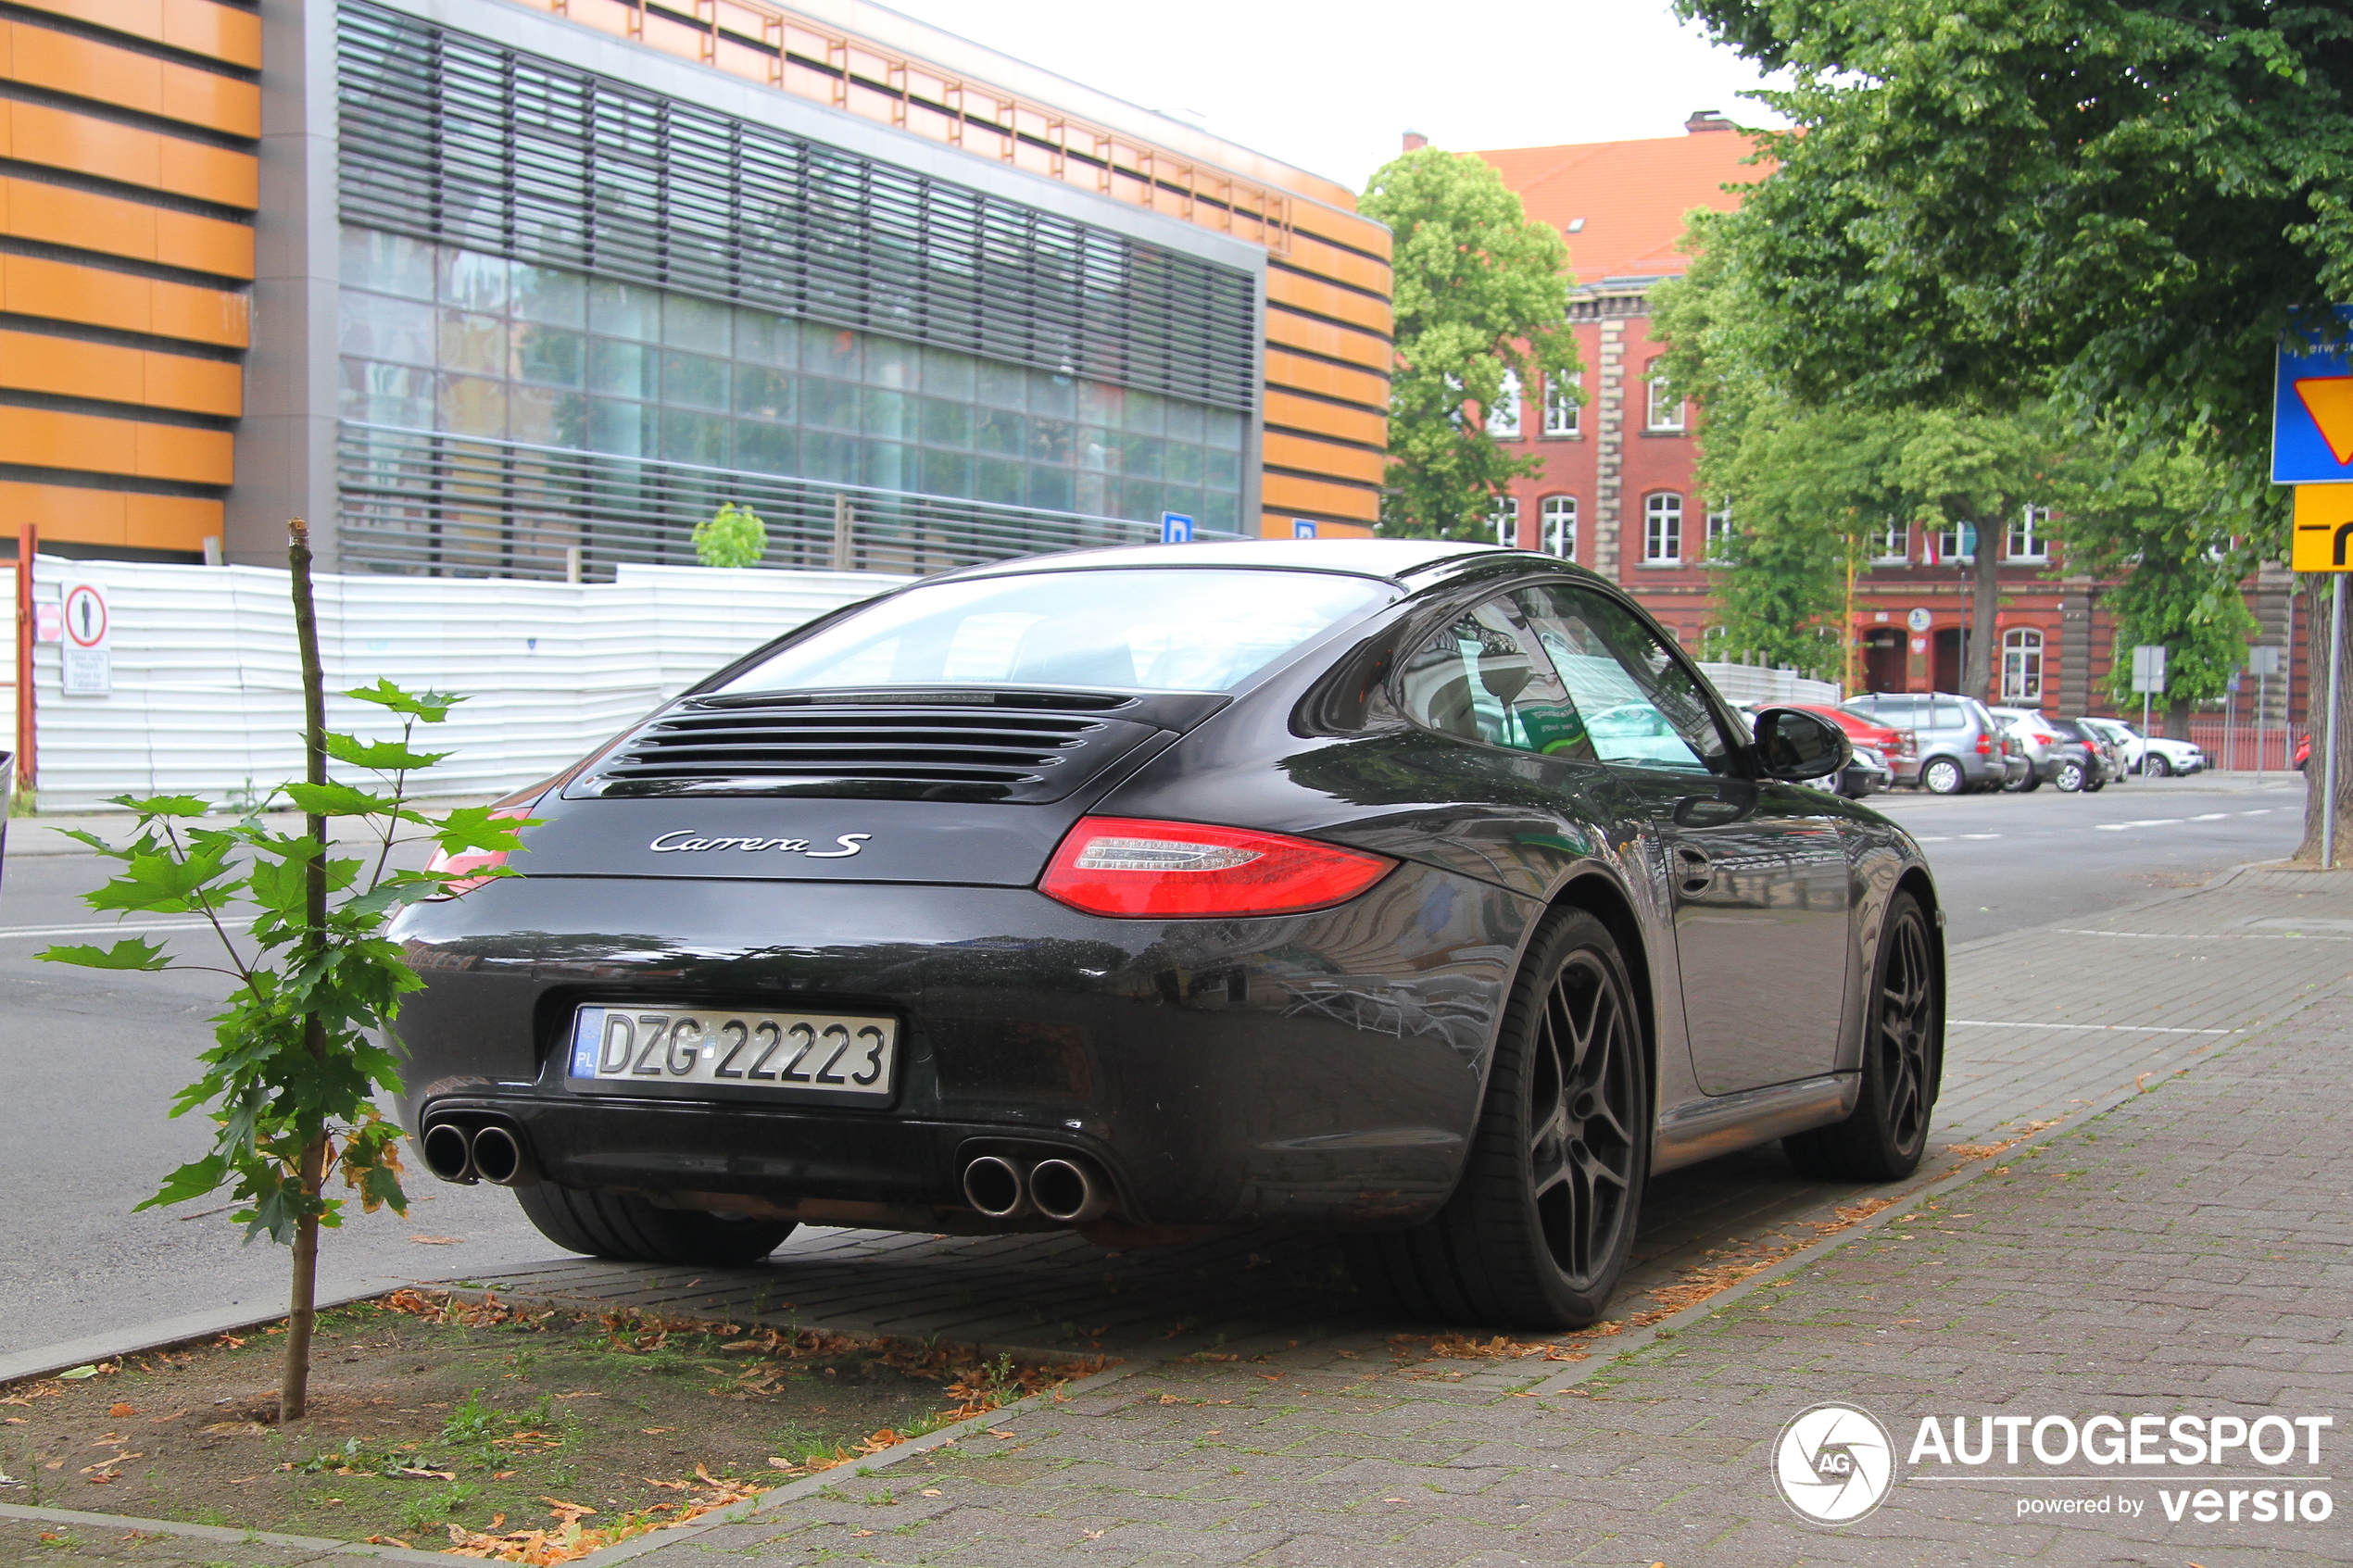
{"x": 480, "y": 1428}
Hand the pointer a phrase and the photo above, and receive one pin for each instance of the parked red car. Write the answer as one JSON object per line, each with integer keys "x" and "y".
{"x": 2303, "y": 750}
{"x": 1888, "y": 742}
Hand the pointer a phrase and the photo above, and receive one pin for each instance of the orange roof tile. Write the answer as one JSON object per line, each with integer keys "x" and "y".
{"x": 1632, "y": 195}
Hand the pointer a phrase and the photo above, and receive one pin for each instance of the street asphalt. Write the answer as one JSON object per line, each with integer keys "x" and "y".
{"x": 83, "y": 1134}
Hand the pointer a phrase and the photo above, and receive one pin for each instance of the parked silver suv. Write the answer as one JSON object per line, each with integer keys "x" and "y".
{"x": 1957, "y": 744}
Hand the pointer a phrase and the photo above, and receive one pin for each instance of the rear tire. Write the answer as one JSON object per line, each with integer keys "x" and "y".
{"x": 1942, "y": 775}
{"x": 2155, "y": 767}
{"x": 624, "y": 1226}
{"x": 2070, "y": 777}
{"x": 1884, "y": 1138}
{"x": 1539, "y": 1229}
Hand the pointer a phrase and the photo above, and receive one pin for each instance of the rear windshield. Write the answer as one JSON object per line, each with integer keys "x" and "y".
{"x": 1183, "y": 629}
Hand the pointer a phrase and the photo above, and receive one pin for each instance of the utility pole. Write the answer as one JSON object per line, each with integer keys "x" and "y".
{"x": 28, "y": 772}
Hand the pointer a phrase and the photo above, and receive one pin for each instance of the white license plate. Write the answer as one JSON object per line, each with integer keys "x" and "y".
{"x": 716, "y": 1048}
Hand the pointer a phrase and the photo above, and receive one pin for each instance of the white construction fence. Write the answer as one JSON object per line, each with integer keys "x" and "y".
{"x": 205, "y": 700}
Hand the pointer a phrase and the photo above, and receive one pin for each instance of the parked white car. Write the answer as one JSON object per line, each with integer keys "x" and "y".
{"x": 2153, "y": 756}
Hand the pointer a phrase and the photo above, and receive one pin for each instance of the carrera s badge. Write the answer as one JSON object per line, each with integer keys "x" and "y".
{"x": 685, "y": 839}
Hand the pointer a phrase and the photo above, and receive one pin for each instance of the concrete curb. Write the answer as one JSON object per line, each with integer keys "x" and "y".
{"x": 43, "y": 1359}
{"x": 219, "y": 1532}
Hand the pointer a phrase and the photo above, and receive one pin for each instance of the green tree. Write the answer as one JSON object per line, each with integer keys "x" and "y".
{"x": 2121, "y": 202}
{"x": 2165, "y": 521}
{"x": 291, "y": 1083}
{"x": 732, "y": 536}
{"x": 1482, "y": 297}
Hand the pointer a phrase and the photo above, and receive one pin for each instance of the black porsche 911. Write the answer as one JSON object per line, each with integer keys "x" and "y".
{"x": 1419, "y": 891}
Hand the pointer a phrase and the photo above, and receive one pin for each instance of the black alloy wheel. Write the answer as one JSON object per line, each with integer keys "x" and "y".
{"x": 1942, "y": 775}
{"x": 2155, "y": 766}
{"x": 2070, "y": 777}
{"x": 1538, "y": 1230}
{"x": 624, "y": 1225}
{"x": 1883, "y": 1138}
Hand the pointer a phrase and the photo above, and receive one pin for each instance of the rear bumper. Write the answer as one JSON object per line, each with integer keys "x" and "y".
{"x": 1324, "y": 1067}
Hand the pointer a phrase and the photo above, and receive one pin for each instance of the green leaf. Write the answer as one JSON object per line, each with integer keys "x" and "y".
{"x": 480, "y": 827}
{"x": 339, "y": 800}
{"x": 430, "y": 706}
{"x": 164, "y": 805}
{"x": 167, "y": 884}
{"x": 137, "y": 953}
{"x": 383, "y": 756}
{"x": 192, "y": 1180}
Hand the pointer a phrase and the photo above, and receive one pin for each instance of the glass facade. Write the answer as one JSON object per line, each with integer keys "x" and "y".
{"x": 437, "y": 337}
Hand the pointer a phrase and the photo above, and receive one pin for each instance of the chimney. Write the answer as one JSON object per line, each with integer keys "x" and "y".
{"x": 1707, "y": 119}
{"x": 1416, "y": 141}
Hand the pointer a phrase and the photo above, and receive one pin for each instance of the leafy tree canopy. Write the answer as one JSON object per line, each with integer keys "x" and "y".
{"x": 2119, "y": 202}
{"x": 1480, "y": 292}
{"x": 732, "y": 536}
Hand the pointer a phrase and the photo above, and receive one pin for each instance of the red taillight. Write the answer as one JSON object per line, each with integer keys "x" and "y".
{"x": 1123, "y": 866}
{"x": 472, "y": 859}
{"x": 1984, "y": 744}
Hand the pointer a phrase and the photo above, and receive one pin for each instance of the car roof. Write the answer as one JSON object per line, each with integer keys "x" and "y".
{"x": 1389, "y": 559}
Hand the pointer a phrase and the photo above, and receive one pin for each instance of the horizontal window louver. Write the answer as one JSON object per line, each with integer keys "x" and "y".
{"x": 449, "y": 137}
{"x": 878, "y": 751}
{"x": 462, "y": 506}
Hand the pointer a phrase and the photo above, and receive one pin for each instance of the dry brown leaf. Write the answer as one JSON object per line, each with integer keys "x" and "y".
{"x": 437, "y": 1240}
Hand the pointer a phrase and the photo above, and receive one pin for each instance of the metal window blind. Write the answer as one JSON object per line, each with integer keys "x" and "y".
{"x": 449, "y": 137}
{"x": 419, "y": 501}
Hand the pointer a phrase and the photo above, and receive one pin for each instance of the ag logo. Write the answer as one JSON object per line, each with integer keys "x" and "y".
{"x": 1834, "y": 1463}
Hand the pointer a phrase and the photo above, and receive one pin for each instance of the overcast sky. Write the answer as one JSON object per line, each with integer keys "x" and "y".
{"x": 1329, "y": 87}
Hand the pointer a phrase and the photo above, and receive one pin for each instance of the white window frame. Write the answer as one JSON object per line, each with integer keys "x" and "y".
{"x": 1665, "y": 406}
{"x": 1948, "y": 545}
{"x": 1719, "y": 525}
{"x": 2029, "y": 538}
{"x": 1502, "y": 419}
{"x": 1663, "y": 529}
{"x": 1895, "y": 545}
{"x": 1563, "y": 413}
{"x": 1505, "y": 517}
{"x": 2023, "y": 665}
{"x": 1556, "y": 517}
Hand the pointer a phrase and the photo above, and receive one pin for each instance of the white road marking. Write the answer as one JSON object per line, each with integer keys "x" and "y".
{"x": 1940, "y": 839}
{"x": 2207, "y": 936}
{"x": 2135, "y": 1028}
{"x": 2143, "y": 823}
{"x": 2259, "y": 812}
{"x": 2210, "y": 817}
{"x": 1981, "y": 835}
{"x": 130, "y": 928}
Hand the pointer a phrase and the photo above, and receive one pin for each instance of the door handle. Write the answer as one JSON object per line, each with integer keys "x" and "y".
{"x": 1693, "y": 871}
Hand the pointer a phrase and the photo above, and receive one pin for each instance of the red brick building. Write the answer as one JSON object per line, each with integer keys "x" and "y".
{"x": 1616, "y": 492}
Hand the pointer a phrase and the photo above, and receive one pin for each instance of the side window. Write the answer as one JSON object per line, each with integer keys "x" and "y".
{"x": 1948, "y": 717}
{"x": 1640, "y": 705}
{"x": 1483, "y": 677}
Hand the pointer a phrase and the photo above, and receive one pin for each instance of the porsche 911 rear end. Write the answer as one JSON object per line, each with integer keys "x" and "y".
{"x": 861, "y": 931}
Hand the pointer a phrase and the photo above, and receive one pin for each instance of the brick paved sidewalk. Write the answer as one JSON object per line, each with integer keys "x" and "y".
{"x": 2186, "y": 1252}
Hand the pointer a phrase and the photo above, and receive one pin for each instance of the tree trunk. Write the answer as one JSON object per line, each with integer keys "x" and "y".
{"x": 2316, "y": 708}
{"x": 1977, "y": 670}
{"x": 2177, "y": 718}
{"x": 302, "y": 1309}
{"x": 294, "y": 1388}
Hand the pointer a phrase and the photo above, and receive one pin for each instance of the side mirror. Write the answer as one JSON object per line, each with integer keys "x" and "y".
{"x": 1793, "y": 745}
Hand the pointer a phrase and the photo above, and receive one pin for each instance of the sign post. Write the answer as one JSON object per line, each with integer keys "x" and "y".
{"x": 28, "y": 547}
{"x": 2265, "y": 662}
{"x": 2312, "y": 449}
{"x": 2148, "y": 678}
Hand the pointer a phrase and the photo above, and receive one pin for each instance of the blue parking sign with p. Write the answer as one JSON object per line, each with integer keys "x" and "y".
{"x": 1303, "y": 528}
{"x": 1176, "y": 528}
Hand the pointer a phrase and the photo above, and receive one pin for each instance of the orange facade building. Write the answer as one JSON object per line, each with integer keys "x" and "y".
{"x": 527, "y": 289}
{"x": 1618, "y": 492}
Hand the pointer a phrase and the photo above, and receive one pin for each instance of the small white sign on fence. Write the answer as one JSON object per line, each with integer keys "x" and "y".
{"x": 85, "y": 666}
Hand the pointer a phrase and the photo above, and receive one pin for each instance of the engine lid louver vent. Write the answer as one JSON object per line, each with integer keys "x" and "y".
{"x": 917, "y": 749}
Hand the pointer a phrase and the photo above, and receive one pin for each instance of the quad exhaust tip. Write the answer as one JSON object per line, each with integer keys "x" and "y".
{"x": 450, "y": 1153}
{"x": 996, "y": 1186}
{"x": 1065, "y": 1188}
{"x": 1070, "y": 1190}
{"x": 492, "y": 1153}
